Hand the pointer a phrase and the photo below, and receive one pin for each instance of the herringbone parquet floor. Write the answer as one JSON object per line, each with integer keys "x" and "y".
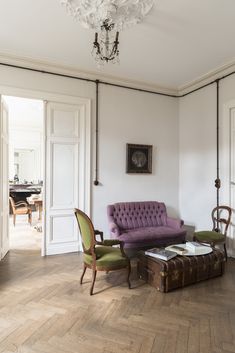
{"x": 43, "y": 309}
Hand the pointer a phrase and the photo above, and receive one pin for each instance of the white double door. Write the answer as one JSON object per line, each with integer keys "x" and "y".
{"x": 66, "y": 177}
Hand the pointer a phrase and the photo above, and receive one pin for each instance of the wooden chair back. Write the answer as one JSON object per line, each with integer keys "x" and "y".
{"x": 87, "y": 231}
{"x": 20, "y": 208}
{"x": 12, "y": 203}
{"x": 221, "y": 218}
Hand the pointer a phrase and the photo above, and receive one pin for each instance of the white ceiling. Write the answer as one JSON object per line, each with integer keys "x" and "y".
{"x": 179, "y": 41}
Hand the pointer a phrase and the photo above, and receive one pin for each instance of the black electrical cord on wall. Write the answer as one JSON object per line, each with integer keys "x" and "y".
{"x": 96, "y": 181}
{"x": 217, "y": 180}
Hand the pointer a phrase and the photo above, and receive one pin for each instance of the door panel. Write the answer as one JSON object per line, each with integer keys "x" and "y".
{"x": 4, "y": 182}
{"x": 64, "y": 163}
{"x": 65, "y": 148}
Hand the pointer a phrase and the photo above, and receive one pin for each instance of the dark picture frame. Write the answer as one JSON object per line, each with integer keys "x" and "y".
{"x": 138, "y": 159}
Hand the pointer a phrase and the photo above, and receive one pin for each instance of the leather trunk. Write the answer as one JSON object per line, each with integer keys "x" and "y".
{"x": 180, "y": 271}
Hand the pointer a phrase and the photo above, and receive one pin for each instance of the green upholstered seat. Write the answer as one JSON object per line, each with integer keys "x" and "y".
{"x": 100, "y": 255}
{"x": 107, "y": 257}
{"x": 209, "y": 236}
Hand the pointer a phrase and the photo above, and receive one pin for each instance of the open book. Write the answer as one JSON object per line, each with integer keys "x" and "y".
{"x": 161, "y": 253}
{"x": 180, "y": 250}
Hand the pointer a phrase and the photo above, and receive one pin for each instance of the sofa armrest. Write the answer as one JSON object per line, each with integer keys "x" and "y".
{"x": 114, "y": 230}
{"x": 174, "y": 222}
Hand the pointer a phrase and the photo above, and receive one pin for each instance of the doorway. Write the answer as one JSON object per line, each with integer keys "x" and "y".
{"x": 66, "y": 180}
{"x": 25, "y": 173}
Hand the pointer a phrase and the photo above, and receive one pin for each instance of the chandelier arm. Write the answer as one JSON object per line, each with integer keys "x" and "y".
{"x": 113, "y": 52}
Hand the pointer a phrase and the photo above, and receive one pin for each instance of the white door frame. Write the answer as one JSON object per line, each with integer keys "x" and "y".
{"x": 227, "y": 196}
{"x": 4, "y": 179}
{"x": 67, "y": 99}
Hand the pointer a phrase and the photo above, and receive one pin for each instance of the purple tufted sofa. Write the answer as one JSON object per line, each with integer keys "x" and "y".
{"x": 144, "y": 224}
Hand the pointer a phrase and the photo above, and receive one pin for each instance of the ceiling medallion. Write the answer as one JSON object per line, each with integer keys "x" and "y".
{"x": 107, "y": 18}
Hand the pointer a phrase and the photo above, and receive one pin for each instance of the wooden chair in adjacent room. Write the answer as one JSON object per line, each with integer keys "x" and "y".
{"x": 100, "y": 255}
{"x": 20, "y": 208}
{"x": 221, "y": 217}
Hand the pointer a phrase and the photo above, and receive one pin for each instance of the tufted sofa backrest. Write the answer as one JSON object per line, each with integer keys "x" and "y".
{"x": 129, "y": 215}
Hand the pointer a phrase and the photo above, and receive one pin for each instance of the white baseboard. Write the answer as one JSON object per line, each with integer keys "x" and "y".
{"x": 56, "y": 249}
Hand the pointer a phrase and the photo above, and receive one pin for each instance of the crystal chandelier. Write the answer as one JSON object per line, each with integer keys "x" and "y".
{"x": 107, "y": 18}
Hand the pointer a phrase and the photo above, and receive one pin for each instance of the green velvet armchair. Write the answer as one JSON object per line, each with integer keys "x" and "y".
{"x": 100, "y": 255}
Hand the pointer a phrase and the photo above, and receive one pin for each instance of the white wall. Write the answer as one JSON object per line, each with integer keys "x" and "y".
{"x": 26, "y": 133}
{"x": 197, "y": 121}
{"x": 197, "y": 135}
{"x": 125, "y": 117}
{"x": 139, "y": 118}
{"x": 26, "y": 139}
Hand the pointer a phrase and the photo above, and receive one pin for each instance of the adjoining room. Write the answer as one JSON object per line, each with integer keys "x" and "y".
{"x": 25, "y": 172}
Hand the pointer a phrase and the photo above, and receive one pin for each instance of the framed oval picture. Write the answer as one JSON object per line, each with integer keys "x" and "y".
{"x": 138, "y": 158}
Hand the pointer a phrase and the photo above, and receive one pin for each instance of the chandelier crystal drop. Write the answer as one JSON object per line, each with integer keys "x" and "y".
{"x": 107, "y": 18}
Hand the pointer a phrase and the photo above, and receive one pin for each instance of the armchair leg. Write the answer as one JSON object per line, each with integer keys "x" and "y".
{"x": 128, "y": 275}
{"x": 93, "y": 281}
{"x": 14, "y": 219}
{"x": 225, "y": 252}
{"x": 83, "y": 273}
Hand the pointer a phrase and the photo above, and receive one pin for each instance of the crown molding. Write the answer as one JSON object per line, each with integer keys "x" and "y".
{"x": 73, "y": 71}
{"x": 207, "y": 78}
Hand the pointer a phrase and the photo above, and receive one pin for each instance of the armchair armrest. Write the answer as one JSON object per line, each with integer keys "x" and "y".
{"x": 101, "y": 234}
{"x": 111, "y": 242}
{"x": 114, "y": 229}
{"x": 174, "y": 222}
{"x": 21, "y": 203}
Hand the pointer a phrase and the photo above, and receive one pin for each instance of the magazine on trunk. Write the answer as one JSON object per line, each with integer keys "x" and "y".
{"x": 179, "y": 249}
{"x": 161, "y": 254}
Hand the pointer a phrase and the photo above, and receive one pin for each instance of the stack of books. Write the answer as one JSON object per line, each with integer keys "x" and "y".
{"x": 195, "y": 247}
{"x": 161, "y": 254}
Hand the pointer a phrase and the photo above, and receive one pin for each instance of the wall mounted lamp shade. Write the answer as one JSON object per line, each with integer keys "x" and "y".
{"x": 107, "y": 18}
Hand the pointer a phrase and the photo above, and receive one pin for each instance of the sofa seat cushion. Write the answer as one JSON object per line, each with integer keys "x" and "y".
{"x": 149, "y": 234}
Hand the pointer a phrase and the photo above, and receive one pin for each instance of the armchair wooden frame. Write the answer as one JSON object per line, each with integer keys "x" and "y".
{"x": 90, "y": 250}
{"x": 20, "y": 208}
